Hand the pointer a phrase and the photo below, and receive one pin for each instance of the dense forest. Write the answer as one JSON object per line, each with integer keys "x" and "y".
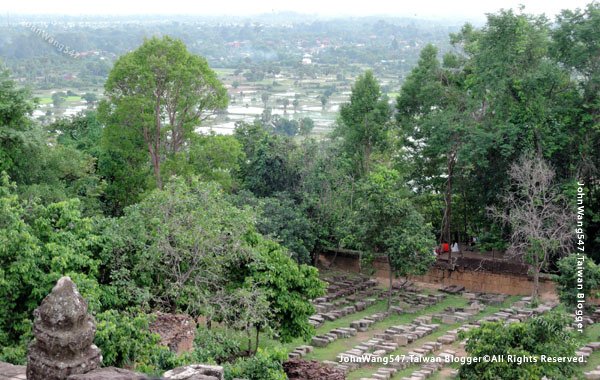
{"x": 145, "y": 214}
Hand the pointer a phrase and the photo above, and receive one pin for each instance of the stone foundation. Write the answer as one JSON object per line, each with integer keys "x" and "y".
{"x": 474, "y": 281}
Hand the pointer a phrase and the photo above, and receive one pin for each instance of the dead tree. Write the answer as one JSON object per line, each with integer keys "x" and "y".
{"x": 537, "y": 214}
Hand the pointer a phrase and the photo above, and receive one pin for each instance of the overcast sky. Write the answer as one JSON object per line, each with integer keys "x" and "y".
{"x": 438, "y": 9}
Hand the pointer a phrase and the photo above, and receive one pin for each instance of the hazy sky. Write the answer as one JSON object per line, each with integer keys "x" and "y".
{"x": 471, "y": 9}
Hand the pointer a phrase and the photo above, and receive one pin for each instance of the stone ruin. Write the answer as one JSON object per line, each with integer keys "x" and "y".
{"x": 64, "y": 335}
{"x": 196, "y": 372}
{"x": 63, "y": 346}
{"x": 176, "y": 331}
{"x": 297, "y": 369}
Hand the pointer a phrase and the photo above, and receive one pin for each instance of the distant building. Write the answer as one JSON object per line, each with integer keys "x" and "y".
{"x": 307, "y": 59}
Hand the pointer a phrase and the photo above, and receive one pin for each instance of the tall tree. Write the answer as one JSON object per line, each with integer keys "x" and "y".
{"x": 18, "y": 140}
{"x": 387, "y": 223}
{"x": 162, "y": 92}
{"x": 575, "y": 45}
{"x": 527, "y": 99}
{"x": 363, "y": 122}
{"x": 436, "y": 125}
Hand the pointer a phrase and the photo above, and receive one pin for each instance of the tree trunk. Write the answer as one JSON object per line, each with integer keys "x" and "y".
{"x": 450, "y": 162}
{"x": 156, "y": 144}
{"x": 536, "y": 278}
{"x": 156, "y": 166}
{"x": 249, "y": 338}
{"x": 390, "y": 289}
{"x": 257, "y": 336}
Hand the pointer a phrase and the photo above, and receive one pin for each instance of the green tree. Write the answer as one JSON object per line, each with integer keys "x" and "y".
{"x": 282, "y": 219}
{"x": 123, "y": 164}
{"x": 363, "y": 122}
{"x": 82, "y": 132}
{"x": 289, "y": 288}
{"x": 542, "y": 335}
{"x": 577, "y": 279}
{"x": 527, "y": 100}
{"x": 270, "y": 165}
{"x": 285, "y": 102}
{"x": 38, "y": 245}
{"x": 125, "y": 340}
{"x": 180, "y": 249}
{"x": 284, "y": 126}
{"x": 388, "y": 224}
{"x": 19, "y": 142}
{"x": 59, "y": 99}
{"x": 161, "y": 92}
{"x": 90, "y": 98}
{"x": 217, "y": 158}
{"x": 575, "y": 46}
{"x": 433, "y": 113}
{"x": 306, "y": 126}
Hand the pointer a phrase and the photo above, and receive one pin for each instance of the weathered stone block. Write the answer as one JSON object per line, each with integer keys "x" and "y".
{"x": 64, "y": 334}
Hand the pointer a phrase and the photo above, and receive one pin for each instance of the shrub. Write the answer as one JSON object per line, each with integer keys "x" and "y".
{"x": 543, "y": 335}
{"x": 265, "y": 365}
{"x": 126, "y": 341}
{"x": 216, "y": 346}
{"x": 567, "y": 280}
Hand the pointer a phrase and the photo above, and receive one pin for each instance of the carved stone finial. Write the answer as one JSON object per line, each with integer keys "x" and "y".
{"x": 64, "y": 335}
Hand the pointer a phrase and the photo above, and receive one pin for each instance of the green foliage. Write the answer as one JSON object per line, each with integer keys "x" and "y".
{"x": 306, "y": 126}
{"x": 82, "y": 132}
{"x": 178, "y": 247}
{"x": 575, "y": 45}
{"x": 217, "y": 158}
{"x": 492, "y": 240}
{"x": 363, "y": 122}
{"x": 289, "y": 288}
{"x": 543, "y": 335}
{"x": 158, "y": 94}
{"x": 280, "y": 218}
{"x": 19, "y": 145}
{"x": 269, "y": 167}
{"x": 38, "y": 245}
{"x": 285, "y": 220}
{"x": 264, "y": 365}
{"x": 123, "y": 163}
{"x": 59, "y": 99}
{"x": 568, "y": 284}
{"x": 387, "y": 223}
{"x": 217, "y": 346}
{"x": 126, "y": 341}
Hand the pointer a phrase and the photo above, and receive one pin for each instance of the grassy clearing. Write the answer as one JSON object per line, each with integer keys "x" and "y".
{"x": 332, "y": 350}
{"x": 455, "y": 302}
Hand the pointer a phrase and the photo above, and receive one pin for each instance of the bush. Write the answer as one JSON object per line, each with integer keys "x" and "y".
{"x": 216, "y": 346}
{"x": 126, "y": 341}
{"x": 38, "y": 245}
{"x": 567, "y": 280}
{"x": 543, "y": 335}
{"x": 265, "y": 365}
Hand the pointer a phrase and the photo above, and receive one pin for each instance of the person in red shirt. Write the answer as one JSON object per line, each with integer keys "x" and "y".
{"x": 445, "y": 247}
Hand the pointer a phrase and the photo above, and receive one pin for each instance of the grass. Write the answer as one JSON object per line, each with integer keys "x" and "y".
{"x": 456, "y": 301}
{"x": 332, "y": 350}
{"x": 591, "y": 334}
{"x": 48, "y": 99}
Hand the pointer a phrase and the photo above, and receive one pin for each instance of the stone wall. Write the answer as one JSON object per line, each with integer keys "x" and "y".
{"x": 486, "y": 282}
{"x": 475, "y": 281}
